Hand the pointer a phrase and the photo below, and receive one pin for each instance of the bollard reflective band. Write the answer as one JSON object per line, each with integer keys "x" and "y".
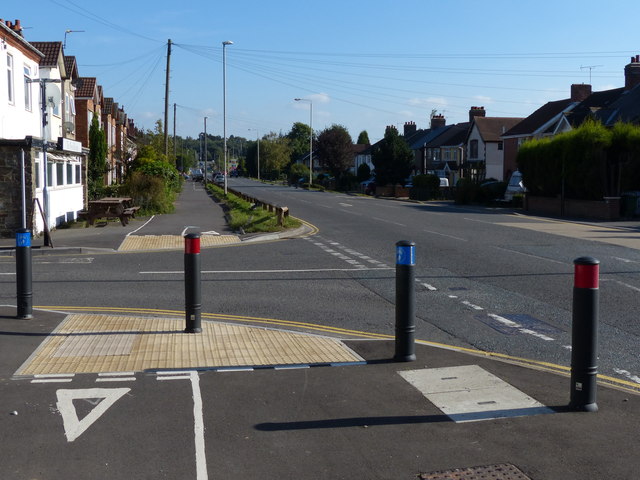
{"x": 405, "y": 255}
{"x": 586, "y": 276}
{"x": 191, "y": 244}
{"x": 23, "y": 239}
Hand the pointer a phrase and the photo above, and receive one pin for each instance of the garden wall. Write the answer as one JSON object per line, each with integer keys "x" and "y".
{"x": 607, "y": 209}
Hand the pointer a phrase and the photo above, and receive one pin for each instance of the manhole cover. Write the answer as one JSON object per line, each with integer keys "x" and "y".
{"x": 502, "y": 471}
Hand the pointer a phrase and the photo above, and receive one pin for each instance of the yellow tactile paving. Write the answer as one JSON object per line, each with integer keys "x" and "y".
{"x": 104, "y": 343}
{"x": 171, "y": 242}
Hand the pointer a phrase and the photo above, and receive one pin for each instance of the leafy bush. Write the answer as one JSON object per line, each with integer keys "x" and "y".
{"x": 149, "y": 192}
{"x": 298, "y": 171}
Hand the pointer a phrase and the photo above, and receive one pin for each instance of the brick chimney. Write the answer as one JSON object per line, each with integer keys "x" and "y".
{"x": 438, "y": 121}
{"x": 580, "y": 92}
{"x": 632, "y": 73}
{"x": 476, "y": 112}
{"x": 409, "y": 129}
{"x": 15, "y": 27}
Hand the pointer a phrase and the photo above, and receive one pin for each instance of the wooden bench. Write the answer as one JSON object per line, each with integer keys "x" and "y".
{"x": 109, "y": 207}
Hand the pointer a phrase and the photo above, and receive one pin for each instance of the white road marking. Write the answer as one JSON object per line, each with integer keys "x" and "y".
{"x": 471, "y": 305}
{"x": 621, "y": 283}
{"x": 53, "y": 378}
{"x": 198, "y": 417}
{"x": 345, "y": 204}
{"x": 388, "y": 221}
{"x": 307, "y": 270}
{"x": 141, "y": 226}
{"x": 429, "y": 287}
{"x": 445, "y": 235}
{"x": 74, "y": 427}
{"x": 530, "y": 255}
{"x": 626, "y": 373}
{"x": 512, "y": 324}
{"x": 201, "y": 459}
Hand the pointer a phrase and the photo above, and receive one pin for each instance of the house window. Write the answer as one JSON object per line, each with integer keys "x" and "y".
{"x": 49, "y": 174}
{"x": 69, "y": 174}
{"x": 59, "y": 173}
{"x": 10, "y": 78}
{"x": 500, "y": 145}
{"x": 77, "y": 177}
{"x": 37, "y": 174}
{"x": 473, "y": 149}
{"x": 27, "y": 88}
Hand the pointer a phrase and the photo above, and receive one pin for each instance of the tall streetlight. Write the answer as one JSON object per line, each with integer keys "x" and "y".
{"x": 224, "y": 105}
{"x": 310, "y": 136}
{"x": 258, "y": 138}
{"x": 206, "y": 155}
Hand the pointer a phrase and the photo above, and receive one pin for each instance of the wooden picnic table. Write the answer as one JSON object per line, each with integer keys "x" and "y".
{"x": 110, "y": 207}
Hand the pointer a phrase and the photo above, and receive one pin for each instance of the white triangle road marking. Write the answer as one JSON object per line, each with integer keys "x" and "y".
{"x": 74, "y": 427}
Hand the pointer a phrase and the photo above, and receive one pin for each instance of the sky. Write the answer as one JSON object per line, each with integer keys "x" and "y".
{"x": 360, "y": 64}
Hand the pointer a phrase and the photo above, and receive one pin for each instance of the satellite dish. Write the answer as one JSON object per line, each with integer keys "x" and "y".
{"x": 69, "y": 127}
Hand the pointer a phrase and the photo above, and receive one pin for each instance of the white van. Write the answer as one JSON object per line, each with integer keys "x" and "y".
{"x": 514, "y": 187}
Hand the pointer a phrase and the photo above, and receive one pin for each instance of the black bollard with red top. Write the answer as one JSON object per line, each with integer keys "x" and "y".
{"x": 584, "y": 335}
{"x": 192, "y": 291}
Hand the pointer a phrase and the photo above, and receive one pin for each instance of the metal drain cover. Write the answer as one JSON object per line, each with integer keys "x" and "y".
{"x": 501, "y": 471}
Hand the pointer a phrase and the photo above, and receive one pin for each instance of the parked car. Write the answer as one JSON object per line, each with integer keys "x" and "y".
{"x": 514, "y": 186}
{"x": 197, "y": 175}
{"x": 368, "y": 187}
{"x": 219, "y": 179}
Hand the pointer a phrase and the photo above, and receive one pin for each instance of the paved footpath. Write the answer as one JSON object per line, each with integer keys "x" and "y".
{"x": 103, "y": 396}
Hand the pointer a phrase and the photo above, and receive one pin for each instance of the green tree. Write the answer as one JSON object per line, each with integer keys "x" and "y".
{"x": 335, "y": 150}
{"x": 97, "y": 159}
{"x": 275, "y": 154}
{"x": 299, "y": 140}
{"x": 392, "y": 158}
{"x": 363, "y": 138}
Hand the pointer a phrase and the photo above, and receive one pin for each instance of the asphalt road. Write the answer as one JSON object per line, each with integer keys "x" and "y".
{"x": 483, "y": 280}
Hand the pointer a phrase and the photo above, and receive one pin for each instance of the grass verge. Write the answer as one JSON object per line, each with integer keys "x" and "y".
{"x": 243, "y": 215}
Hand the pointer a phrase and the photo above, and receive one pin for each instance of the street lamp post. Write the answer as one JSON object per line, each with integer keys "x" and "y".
{"x": 310, "y": 136}
{"x": 204, "y": 178}
{"x": 224, "y": 105}
{"x": 258, "y": 139}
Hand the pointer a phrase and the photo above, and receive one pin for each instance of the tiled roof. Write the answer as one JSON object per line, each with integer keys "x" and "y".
{"x": 538, "y": 118}
{"x": 491, "y": 128}
{"x": 455, "y": 135}
{"x": 71, "y": 66}
{"x": 85, "y": 87}
{"x": 51, "y": 52}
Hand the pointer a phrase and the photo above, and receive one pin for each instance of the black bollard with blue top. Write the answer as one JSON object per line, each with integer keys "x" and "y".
{"x": 24, "y": 290}
{"x": 405, "y": 301}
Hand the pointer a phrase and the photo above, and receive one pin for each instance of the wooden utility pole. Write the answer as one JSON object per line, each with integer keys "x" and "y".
{"x": 166, "y": 101}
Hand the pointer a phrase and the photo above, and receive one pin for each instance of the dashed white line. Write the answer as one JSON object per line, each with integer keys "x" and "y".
{"x": 512, "y": 324}
{"x": 471, "y": 305}
{"x": 629, "y": 375}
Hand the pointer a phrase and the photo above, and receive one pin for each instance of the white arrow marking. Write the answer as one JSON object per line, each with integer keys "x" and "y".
{"x": 74, "y": 427}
